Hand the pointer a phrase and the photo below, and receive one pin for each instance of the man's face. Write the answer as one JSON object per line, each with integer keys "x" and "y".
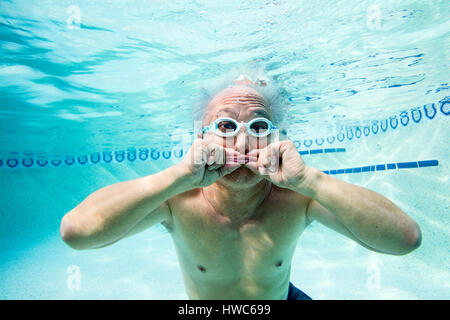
{"x": 243, "y": 104}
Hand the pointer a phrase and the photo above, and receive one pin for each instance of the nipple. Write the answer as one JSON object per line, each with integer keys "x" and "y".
{"x": 201, "y": 268}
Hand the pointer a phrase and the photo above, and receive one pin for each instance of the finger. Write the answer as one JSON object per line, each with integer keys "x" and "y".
{"x": 241, "y": 158}
{"x": 235, "y": 156}
{"x": 198, "y": 153}
{"x": 264, "y": 158}
{"x": 274, "y": 157}
{"x": 268, "y": 157}
{"x": 215, "y": 154}
{"x": 230, "y": 154}
{"x": 211, "y": 153}
{"x": 263, "y": 171}
{"x": 222, "y": 156}
{"x": 219, "y": 156}
{"x": 231, "y": 151}
{"x": 254, "y": 152}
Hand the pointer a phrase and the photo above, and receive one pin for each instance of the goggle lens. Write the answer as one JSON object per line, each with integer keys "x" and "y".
{"x": 226, "y": 126}
{"x": 259, "y": 127}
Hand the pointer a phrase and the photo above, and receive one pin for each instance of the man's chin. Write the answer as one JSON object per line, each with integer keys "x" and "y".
{"x": 241, "y": 174}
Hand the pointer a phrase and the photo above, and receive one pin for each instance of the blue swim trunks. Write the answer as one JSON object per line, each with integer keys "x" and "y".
{"x": 296, "y": 294}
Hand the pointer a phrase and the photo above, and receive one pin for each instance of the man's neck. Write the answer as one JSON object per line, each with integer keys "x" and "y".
{"x": 235, "y": 203}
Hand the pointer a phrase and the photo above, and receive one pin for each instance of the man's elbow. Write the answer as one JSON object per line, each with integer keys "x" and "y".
{"x": 412, "y": 240}
{"x": 416, "y": 237}
{"x": 70, "y": 233}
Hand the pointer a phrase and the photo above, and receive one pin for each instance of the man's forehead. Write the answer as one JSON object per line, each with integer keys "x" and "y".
{"x": 232, "y": 99}
{"x": 233, "y": 110}
{"x": 237, "y": 92}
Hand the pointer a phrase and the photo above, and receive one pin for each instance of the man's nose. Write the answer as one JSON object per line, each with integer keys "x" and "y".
{"x": 241, "y": 143}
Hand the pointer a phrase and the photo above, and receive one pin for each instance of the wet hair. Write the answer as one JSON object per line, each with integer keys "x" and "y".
{"x": 272, "y": 90}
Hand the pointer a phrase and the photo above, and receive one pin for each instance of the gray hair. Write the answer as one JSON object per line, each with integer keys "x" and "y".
{"x": 270, "y": 89}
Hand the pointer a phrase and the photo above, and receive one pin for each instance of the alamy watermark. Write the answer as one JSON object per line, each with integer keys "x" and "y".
{"x": 373, "y": 17}
{"x": 73, "y": 280}
{"x": 373, "y": 275}
{"x": 74, "y": 19}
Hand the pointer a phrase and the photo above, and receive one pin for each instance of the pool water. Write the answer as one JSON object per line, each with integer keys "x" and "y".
{"x": 92, "y": 94}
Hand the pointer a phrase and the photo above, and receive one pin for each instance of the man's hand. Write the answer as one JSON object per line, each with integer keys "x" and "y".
{"x": 281, "y": 163}
{"x": 205, "y": 163}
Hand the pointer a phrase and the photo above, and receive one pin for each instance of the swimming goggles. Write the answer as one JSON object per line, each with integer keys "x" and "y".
{"x": 228, "y": 127}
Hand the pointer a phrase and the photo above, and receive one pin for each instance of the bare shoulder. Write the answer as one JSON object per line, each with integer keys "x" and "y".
{"x": 180, "y": 202}
{"x": 289, "y": 206}
{"x": 284, "y": 213}
{"x": 288, "y": 199}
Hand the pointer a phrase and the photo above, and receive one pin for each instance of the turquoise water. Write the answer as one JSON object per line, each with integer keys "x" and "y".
{"x": 92, "y": 94}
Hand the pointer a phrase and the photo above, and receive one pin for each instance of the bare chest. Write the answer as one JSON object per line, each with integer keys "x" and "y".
{"x": 209, "y": 245}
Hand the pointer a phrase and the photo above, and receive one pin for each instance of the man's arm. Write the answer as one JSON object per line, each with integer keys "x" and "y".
{"x": 115, "y": 211}
{"x": 361, "y": 214}
{"x": 126, "y": 208}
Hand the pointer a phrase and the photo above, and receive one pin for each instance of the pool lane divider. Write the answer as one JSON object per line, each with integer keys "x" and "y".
{"x": 318, "y": 151}
{"x": 130, "y": 155}
{"x": 414, "y": 115}
{"x": 385, "y": 167}
{"x": 404, "y": 118}
{"x": 122, "y": 155}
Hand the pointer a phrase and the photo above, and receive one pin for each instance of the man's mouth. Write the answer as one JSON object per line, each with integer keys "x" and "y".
{"x": 242, "y": 159}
